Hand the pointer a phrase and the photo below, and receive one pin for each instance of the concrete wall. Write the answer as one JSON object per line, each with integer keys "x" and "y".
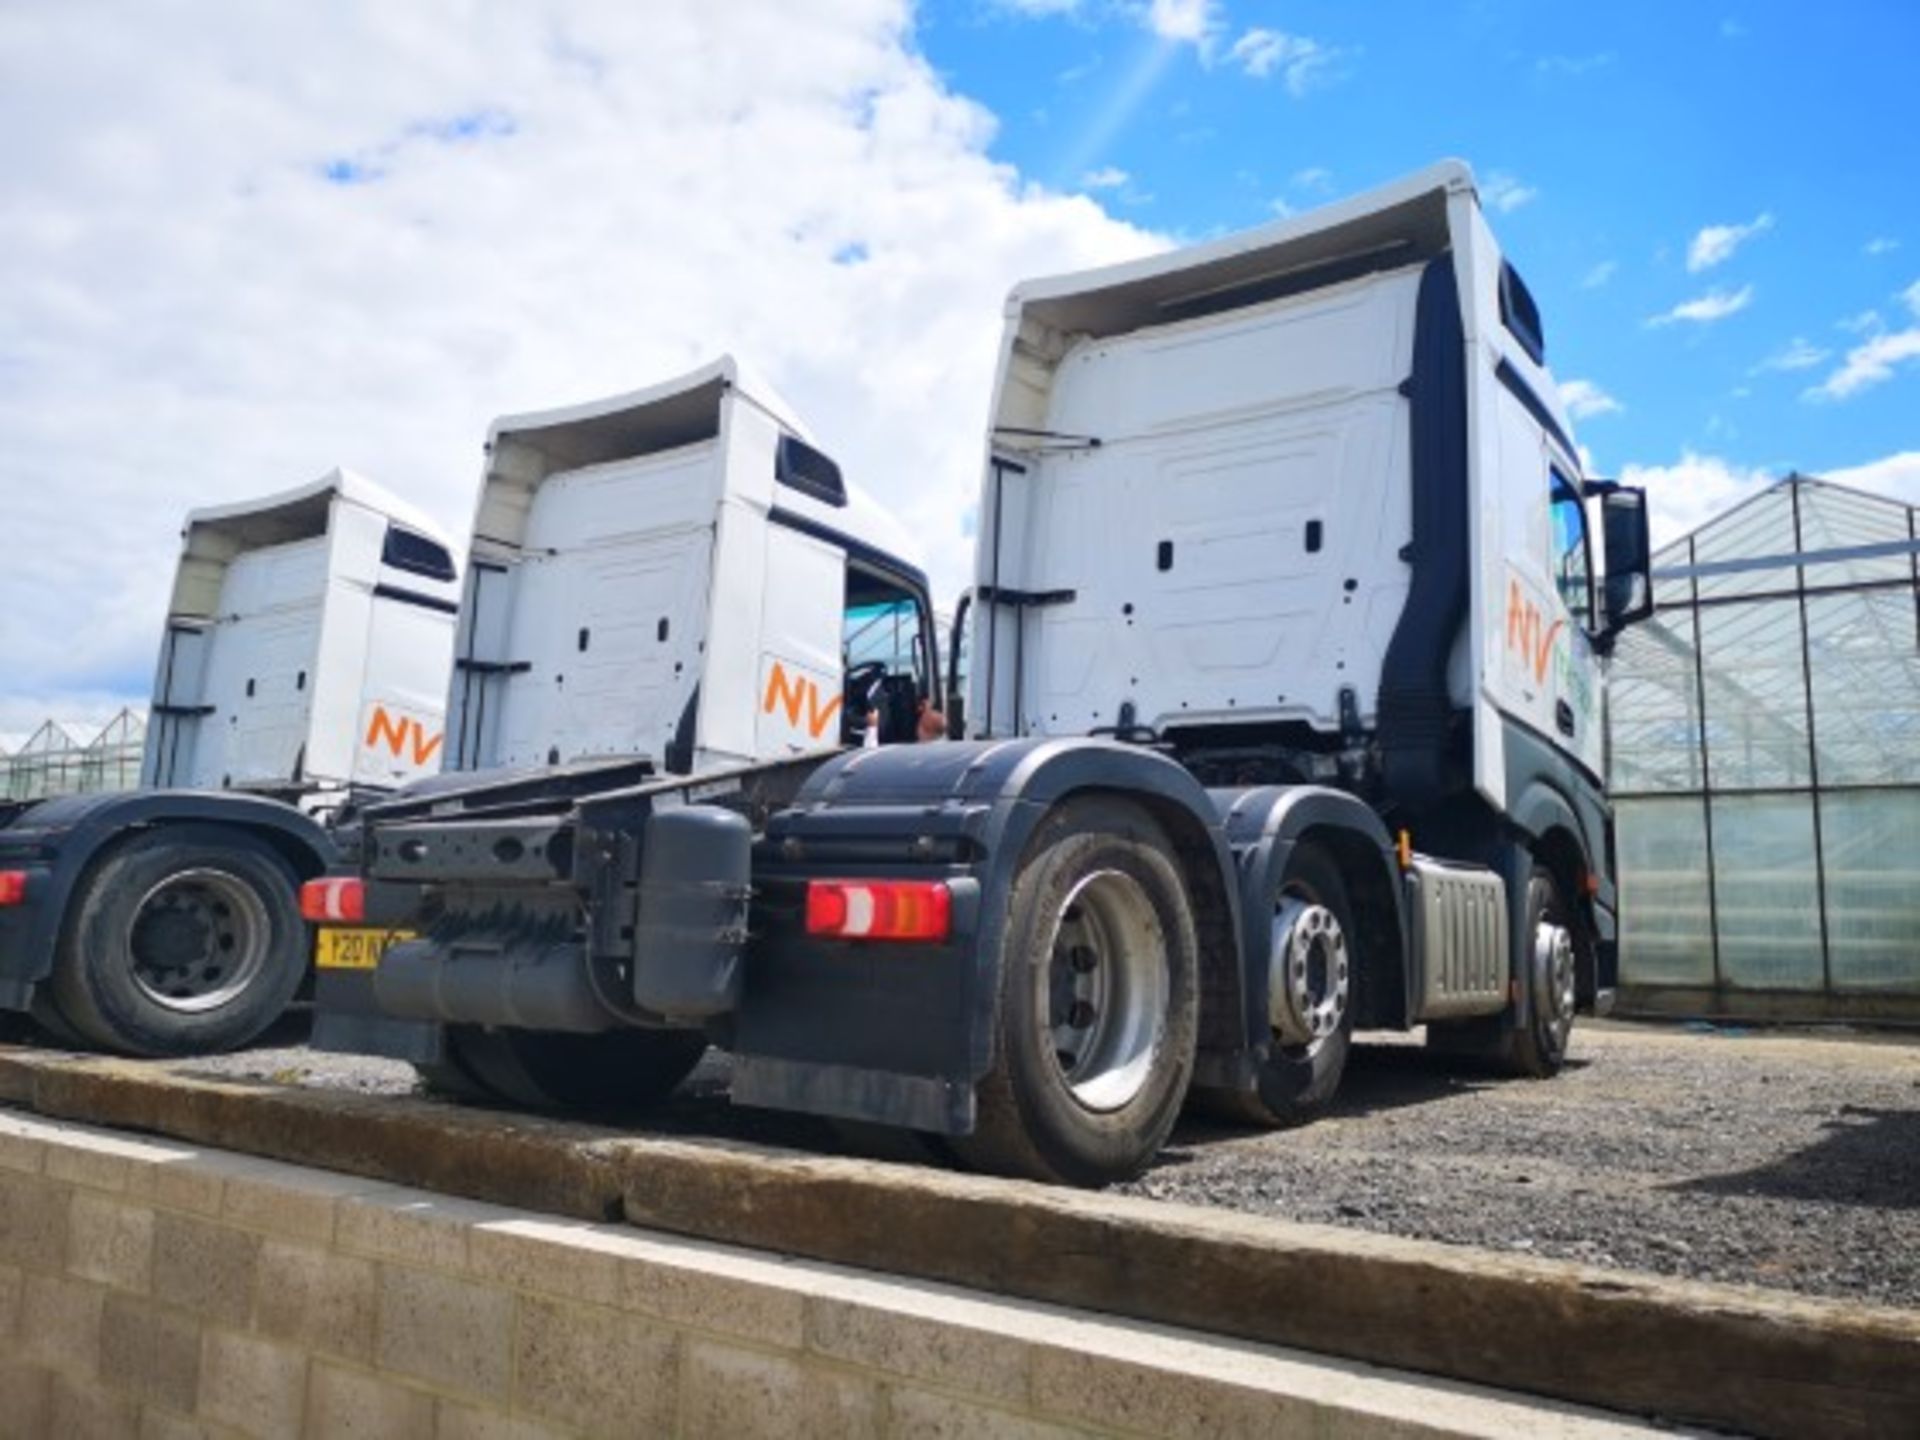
{"x": 156, "y": 1290}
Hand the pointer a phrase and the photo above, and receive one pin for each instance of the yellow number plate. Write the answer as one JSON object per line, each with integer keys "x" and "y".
{"x": 336, "y": 949}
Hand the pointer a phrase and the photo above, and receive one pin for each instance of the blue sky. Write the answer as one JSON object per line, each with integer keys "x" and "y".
{"x": 1606, "y": 138}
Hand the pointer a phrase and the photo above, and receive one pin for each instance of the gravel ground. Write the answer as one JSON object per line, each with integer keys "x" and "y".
{"x": 1784, "y": 1159}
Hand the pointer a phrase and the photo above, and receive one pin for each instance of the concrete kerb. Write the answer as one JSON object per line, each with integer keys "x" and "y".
{"x": 1758, "y": 1361}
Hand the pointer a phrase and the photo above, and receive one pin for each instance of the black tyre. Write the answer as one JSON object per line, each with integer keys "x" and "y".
{"x": 1539, "y": 1048}
{"x": 449, "y": 1079}
{"x": 542, "y": 1070}
{"x": 1098, "y": 1008}
{"x": 1300, "y": 1075}
{"x": 48, "y": 1017}
{"x": 185, "y": 940}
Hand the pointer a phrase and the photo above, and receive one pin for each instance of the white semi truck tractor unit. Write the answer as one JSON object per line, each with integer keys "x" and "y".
{"x": 302, "y": 664}
{"x": 670, "y": 594}
{"x": 1283, "y": 720}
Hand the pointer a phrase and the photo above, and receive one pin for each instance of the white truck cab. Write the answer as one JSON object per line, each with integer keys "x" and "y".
{"x": 307, "y": 643}
{"x": 676, "y": 575}
{"x": 1210, "y": 515}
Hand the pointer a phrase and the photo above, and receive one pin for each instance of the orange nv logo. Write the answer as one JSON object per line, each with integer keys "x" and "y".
{"x": 1528, "y": 631}
{"x": 401, "y": 736}
{"x": 793, "y": 693}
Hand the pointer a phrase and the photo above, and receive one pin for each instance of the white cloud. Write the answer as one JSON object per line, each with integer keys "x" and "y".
{"x": 1107, "y": 177}
{"x": 1704, "y": 309}
{"x": 1892, "y": 475}
{"x": 1683, "y": 496}
{"x": 1299, "y": 61}
{"x": 1599, "y": 275}
{"x": 1190, "y": 22}
{"x": 1315, "y": 177}
{"x": 1796, "y": 354}
{"x": 209, "y": 318}
{"x": 1868, "y": 364}
{"x": 1716, "y": 243}
{"x": 1895, "y": 475}
{"x": 1585, "y": 400}
{"x": 1874, "y": 360}
{"x": 1504, "y": 193}
{"x": 1881, "y": 245}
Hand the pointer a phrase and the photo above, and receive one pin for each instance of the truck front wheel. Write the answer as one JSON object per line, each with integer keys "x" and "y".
{"x": 1539, "y": 1048}
{"x": 185, "y": 940}
{"x": 1097, "y": 1013}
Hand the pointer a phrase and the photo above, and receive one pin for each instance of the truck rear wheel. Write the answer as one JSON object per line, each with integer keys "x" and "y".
{"x": 1314, "y": 972}
{"x": 614, "y": 1070}
{"x": 185, "y": 940}
{"x": 1097, "y": 1013}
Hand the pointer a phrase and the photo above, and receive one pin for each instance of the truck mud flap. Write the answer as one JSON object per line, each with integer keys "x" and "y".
{"x": 845, "y": 1092}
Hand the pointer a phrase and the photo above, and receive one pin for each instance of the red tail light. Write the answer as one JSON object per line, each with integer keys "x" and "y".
{"x": 334, "y": 899}
{"x": 879, "y": 909}
{"x": 13, "y": 887}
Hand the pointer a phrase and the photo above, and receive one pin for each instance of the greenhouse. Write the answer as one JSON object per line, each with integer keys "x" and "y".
{"x": 54, "y": 761}
{"x": 1765, "y": 764}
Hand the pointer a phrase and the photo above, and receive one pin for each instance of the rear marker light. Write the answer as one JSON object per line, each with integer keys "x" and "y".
{"x": 333, "y": 899}
{"x": 13, "y": 887}
{"x": 879, "y": 909}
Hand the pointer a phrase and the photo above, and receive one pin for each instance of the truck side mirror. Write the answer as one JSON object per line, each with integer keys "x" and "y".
{"x": 1629, "y": 551}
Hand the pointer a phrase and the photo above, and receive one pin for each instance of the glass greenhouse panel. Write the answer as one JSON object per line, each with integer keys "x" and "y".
{"x": 1870, "y": 840}
{"x": 1767, "y": 892}
{"x": 1666, "y": 935}
{"x": 1668, "y": 590}
{"x": 1756, "y": 696}
{"x": 1866, "y": 687}
{"x": 1758, "y": 529}
{"x": 1654, "y": 707}
{"x": 1836, "y": 519}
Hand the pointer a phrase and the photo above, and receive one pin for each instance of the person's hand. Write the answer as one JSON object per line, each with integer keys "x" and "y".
{"x": 933, "y": 724}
